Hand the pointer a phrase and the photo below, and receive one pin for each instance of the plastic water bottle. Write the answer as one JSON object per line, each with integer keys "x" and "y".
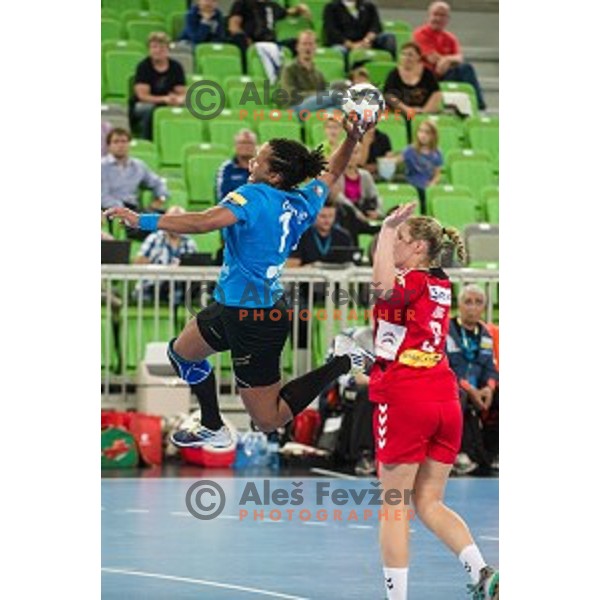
{"x": 273, "y": 447}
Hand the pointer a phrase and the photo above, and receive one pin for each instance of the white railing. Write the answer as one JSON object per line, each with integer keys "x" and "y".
{"x": 132, "y": 321}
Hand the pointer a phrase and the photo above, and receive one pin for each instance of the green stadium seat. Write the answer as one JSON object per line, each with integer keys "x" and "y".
{"x": 153, "y": 327}
{"x": 241, "y": 96}
{"x": 110, "y": 29}
{"x": 211, "y": 49}
{"x": 141, "y": 30}
{"x": 178, "y": 198}
{"x": 220, "y": 65}
{"x": 370, "y": 54}
{"x": 331, "y": 53}
{"x": 209, "y": 242}
{"x": 269, "y": 129}
{"x": 120, "y": 6}
{"x": 109, "y": 13}
{"x": 332, "y": 68}
{"x": 200, "y": 171}
{"x": 476, "y": 174}
{"x": 393, "y": 26}
{"x": 290, "y": 27}
{"x": 484, "y": 134}
{"x": 466, "y": 88}
{"x": 140, "y": 16}
{"x": 458, "y": 211}
{"x": 402, "y": 37}
{"x": 395, "y": 130}
{"x": 379, "y": 71}
{"x": 166, "y": 7}
{"x": 392, "y": 194}
{"x": 145, "y": 151}
{"x": 467, "y": 154}
{"x": 119, "y": 68}
{"x": 444, "y": 191}
{"x": 223, "y": 130}
{"x": 439, "y": 121}
{"x": 174, "y": 128}
{"x": 490, "y": 197}
{"x": 176, "y": 24}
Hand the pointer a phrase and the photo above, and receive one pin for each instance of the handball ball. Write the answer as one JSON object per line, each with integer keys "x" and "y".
{"x": 365, "y": 101}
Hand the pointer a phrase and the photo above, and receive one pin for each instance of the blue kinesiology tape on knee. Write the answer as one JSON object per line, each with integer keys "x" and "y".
{"x": 190, "y": 371}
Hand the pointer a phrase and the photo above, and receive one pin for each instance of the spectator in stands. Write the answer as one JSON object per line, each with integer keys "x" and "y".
{"x": 359, "y": 75}
{"x": 252, "y": 21}
{"x": 441, "y": 50}
{"x": 163, "y": 248}
{"x": 304, "y": 83}
{"x": 317, "y": 241}
{"x": 159, "y": 81}
{"x": 356, "y": 187}
{"x": 333, "y": 133}
{"x": 123, "y": 176}
{"x": 423, "y": 160}
{"x": 375, "y": 144}
{"x": 410, "y": 87}
{"x": 204, "y": 22}
{"x": 353, "y": 24}
{"x": 234, "y": 172}
{"x": 470, "y": 352}
{"x": 105, "y": 128}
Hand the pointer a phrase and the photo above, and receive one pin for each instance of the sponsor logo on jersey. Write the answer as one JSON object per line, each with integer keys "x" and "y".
{"x": 236, "y": 198}
{"x": 388, "y": 339}
{"x": 440, "y": 294}
{"x": 418, "y": 358}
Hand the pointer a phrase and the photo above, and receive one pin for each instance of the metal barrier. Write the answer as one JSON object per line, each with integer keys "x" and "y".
{"x": 129, "y": 320}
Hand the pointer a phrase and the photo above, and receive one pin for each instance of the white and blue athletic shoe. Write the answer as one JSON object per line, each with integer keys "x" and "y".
{"x": 194, "y": 435}
{"x": 361, "y": 359}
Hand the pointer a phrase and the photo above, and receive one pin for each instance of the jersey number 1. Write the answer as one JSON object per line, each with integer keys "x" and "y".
{"x": 284, "y": 219}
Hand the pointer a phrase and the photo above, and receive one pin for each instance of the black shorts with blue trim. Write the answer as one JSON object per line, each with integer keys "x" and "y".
{"x": 255, "y": 336}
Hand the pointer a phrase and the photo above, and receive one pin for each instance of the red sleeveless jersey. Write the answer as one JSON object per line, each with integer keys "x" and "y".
{"x": 410, "y": 337}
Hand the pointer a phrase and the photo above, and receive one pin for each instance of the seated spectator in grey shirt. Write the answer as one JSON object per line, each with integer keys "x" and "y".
{"x": 122, "y": 176}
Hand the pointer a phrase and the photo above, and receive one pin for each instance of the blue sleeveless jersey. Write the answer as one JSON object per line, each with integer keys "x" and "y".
{"x": 270, "y": 224}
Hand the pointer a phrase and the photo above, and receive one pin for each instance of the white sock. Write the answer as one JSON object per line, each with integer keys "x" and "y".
{"x": 396, "y": 583}
{"x": 472, "y": 561}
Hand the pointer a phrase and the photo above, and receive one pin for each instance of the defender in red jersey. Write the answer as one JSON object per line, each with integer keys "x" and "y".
{"x": 418, "y": 418}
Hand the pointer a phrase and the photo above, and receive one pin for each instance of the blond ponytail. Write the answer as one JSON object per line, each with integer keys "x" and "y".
{"x": 456, "y": 240}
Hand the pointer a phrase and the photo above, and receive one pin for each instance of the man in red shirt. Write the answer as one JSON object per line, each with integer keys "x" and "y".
{"x": 441, "y": 50}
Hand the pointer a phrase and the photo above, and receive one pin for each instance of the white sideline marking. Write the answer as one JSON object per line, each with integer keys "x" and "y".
{"x": 136, "y": 510}
{"x": 315, "y": 523}
{"x": 360, "y": 526}
{"x": 206, "y": 582}
{"x": 180, "y": 514}
{"x": 333, "y": 473}
{"x": 233, "y": 517}
{"x": 489, "y": 538}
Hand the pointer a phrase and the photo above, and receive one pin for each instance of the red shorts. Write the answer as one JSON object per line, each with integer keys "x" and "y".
{"x": 408, "y": 432}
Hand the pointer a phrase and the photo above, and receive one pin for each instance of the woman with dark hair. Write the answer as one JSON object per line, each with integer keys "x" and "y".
{"x": 262, "y": 222}
{"x": 411, "y": 87}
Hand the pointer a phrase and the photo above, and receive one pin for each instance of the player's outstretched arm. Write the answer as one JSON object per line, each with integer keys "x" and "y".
{"x": 341, "y": 157}
{"x": 213, "y": 218}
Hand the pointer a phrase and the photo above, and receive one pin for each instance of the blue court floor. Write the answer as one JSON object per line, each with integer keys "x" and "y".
{"x": 153, "y": 548}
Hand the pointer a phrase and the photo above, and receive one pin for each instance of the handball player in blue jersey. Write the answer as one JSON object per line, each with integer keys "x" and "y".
{"x": 262, "y": 222}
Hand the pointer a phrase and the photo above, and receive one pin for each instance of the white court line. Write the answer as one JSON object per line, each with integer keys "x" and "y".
{"x": 268, "y": 521}
{"x": 136, "y": 510}
{"x": 489, "y": 538}
{"x": 360, "y": 526}
{"x": 233, "y": 517}
{"x": 180, "y": 514}
{"x": 216, "y": 584}
{"x": 315, "y": 523}
{"x": 333, "y": 473}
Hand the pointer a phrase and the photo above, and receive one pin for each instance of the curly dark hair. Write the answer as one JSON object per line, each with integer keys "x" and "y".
{"x": 294, "y": 162}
